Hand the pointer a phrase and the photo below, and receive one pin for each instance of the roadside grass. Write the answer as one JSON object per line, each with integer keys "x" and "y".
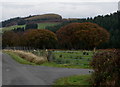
{"x": 18, "y": 59}
{"x": 27, "y": 56}
{"x": 53, "y": 64}
{"x": 76, "y": 80}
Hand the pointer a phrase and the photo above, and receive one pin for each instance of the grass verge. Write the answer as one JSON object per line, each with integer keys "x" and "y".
{"x": 29, "y": 56}
{"x": 71, "y": 81}
{"x": 53, "y": 64}
{"x": 19, "y": 59}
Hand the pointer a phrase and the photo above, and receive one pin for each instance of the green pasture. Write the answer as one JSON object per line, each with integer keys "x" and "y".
{"x": 79, "y": 58}
{"x": 40, "y": 26}
{"x": 68, "y": 59}
{"x": 12, "y": 27}
{"x": 74, "y": 81}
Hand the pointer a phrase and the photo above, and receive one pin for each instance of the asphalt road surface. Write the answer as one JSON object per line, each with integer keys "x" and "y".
{"x": 14, "y": 73}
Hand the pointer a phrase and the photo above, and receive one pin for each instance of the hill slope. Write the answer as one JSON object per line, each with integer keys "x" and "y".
{"x": 32, "y": 19}
{"x": 45, "y": 17}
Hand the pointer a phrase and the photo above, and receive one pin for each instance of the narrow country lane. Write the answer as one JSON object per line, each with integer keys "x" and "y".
{"x": 14, "y": 73}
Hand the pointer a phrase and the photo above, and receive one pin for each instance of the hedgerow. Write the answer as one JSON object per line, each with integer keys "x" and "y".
{"x": 106, "y": 67}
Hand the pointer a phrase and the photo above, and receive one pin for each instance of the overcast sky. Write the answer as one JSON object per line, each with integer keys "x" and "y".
{"x": 66, "y": 8}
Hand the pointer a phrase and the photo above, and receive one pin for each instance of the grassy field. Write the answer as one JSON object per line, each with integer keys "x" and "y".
{"x": 73, "y": 57}
{"x": 68, "y": 59}
{"x": 71, "y": 81}
{"x": 11, "y": 27}
{"x": 40, "y": 26}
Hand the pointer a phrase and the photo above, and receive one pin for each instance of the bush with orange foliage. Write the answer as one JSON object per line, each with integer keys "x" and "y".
{"x": 11, "y": 39}
{"x": 82, "y": 35}
{"x": 39, "y": 38}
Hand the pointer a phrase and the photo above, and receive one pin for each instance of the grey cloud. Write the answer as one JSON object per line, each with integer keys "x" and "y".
{"x": 16, "y": 5}
{"x": 66, "y": 9}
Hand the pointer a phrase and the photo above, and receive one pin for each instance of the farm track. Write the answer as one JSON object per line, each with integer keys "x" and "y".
{"x": 14, "y": 73}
